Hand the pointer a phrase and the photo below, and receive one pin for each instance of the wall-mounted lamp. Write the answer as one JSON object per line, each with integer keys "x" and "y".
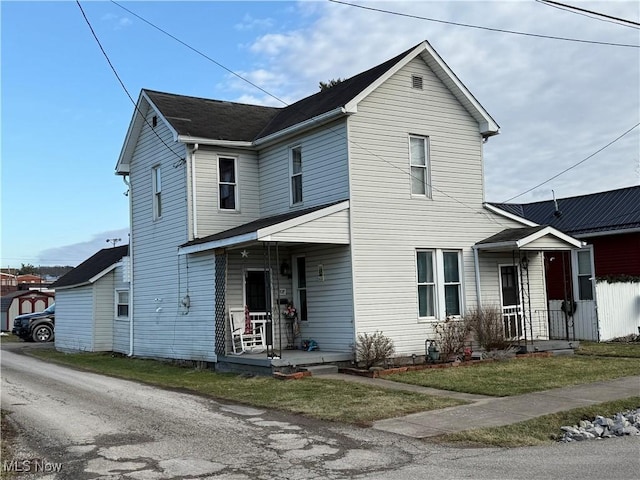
{"x": 285, "y": 269}
{"x": 524, "y": 262}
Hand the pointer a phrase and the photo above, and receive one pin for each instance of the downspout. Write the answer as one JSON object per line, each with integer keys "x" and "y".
{"x": 131, "y": 302}
{"x": 194, "y": 209}
{"x": 476, "y": 267}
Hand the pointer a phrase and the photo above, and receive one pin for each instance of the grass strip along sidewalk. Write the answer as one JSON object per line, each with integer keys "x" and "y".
{"x": 358, "y": 404}
{"x": 332, "y": 400}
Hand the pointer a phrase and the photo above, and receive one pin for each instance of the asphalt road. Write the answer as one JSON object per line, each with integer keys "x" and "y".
{"x": 92, "y": 426}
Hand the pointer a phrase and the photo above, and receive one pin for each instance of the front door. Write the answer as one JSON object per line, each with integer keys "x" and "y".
{"x": 511, "y": 305}
{"x": 257, "y": 297}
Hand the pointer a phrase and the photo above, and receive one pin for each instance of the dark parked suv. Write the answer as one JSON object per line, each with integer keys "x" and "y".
{"x": 38, "y": 326}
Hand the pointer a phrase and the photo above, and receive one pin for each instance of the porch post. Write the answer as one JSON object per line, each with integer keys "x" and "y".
{"x": 220, "y": 299}
{"x": 476, "y": 267}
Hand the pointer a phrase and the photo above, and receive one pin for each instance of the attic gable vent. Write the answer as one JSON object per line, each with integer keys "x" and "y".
{"x": 416, "y": 82}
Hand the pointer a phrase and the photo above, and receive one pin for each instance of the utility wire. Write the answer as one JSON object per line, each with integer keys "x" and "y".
{"x": 500, "y": 30}
{"x": 201, "y": 54}
{"x": 135, "y": 105}
{"x": 575, "y": 164}
{"x": 590, "y": 14}
{"x": 336, "y": 132}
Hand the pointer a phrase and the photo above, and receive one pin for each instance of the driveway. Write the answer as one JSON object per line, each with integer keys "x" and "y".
{"x": 93, "y": 426}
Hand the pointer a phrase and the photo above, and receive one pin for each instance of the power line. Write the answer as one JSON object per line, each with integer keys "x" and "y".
{"x": 121, "y": 82}
{"x": 500, "y": 30}
{"x": 201, "y": 54}
{"x": 336, "y": 132}
{"x": 575, "y": 164}
{"x": 590, "y": 13}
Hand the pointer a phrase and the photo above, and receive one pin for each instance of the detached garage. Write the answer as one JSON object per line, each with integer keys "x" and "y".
{"x": 92, "y": 304}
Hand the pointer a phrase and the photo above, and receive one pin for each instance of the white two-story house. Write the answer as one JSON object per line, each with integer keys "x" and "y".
{"x": 362, "y": 205}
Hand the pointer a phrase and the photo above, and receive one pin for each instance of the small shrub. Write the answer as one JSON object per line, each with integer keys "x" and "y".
{"x": 373, "y": 349}
{"x": 488, "y": 327}
{"x": 452, "y": 336}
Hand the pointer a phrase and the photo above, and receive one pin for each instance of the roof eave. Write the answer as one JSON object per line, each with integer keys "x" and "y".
{"x": 135, "y": 126}
{"x": 316, "y": 121}
{"x": 509, "y": 215}
{"x": 214, "y": 142}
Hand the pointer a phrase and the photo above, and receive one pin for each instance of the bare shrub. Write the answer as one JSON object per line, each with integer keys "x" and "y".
{"x": 499, "y": 355}
{"x": 451, "y": 336}
{"x": 373, "y": 349}
{"x": 488, "y": 326}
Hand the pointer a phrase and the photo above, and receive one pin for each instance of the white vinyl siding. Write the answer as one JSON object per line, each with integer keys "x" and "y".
{"x": 388, "y": 225}
{"x": 325, "y": 178}
{"x": 160, "y": 277}
{"x": 121, "y": 325}
{"x": 74, "y": 319}
{"x": 103, "y": 313}
{"x": 205, "y": 207}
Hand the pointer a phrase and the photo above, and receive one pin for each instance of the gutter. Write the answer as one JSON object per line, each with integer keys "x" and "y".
{"x": 131, "y": 302}
{"x": 299, "y": 127}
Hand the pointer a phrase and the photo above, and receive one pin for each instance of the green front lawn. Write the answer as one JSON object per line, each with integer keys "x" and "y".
{"x": 323, "y": 399}
{"x": 518, "y": 376}
{"x": 538, "y": 430}
{"x": 610, "y": 349}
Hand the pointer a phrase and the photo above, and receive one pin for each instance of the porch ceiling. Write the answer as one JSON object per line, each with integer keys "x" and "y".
{"x": 528, "y": 238}
{"x": 321, "y": 224}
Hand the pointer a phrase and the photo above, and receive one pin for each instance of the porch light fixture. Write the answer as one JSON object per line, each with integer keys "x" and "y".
{"x": 285, "y": 269}
{"x": 524, "y": 262}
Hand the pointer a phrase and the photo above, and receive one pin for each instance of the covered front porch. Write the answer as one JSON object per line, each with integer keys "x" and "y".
{"x": 283, "y": 290}
{"x": 517, "y": 256}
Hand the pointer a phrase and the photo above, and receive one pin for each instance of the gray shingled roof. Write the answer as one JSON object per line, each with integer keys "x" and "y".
{"x": 213, "y": 119}
{"x": 596, "y": 212}
{"x": 258, "y": 224}
{"x": 92, "y": 266}
{"x": 330, "y": 99}
{"x": 220, "y": 120}
{"x": 511, "y": 235}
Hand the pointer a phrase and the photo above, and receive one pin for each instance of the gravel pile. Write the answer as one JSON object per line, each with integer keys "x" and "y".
{"x": 621, "y": 424}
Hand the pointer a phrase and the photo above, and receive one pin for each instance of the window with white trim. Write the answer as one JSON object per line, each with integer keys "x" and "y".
{"x": 585, "y": 274}
{"x": 296, "y": 175}
{"x": 452, "y": 284}
{"x": 122, "y": 304}
{"x": 420, "y": 166}
{"x": 426, "y": 284}
{"x": 227, "y": 183}
{"x": 157, "y": 191}
{"x": 439, "y": 283}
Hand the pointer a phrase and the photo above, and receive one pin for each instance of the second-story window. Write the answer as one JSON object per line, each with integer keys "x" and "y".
{"x": 227, "y": 183}
{"x": 420, "y": 168}
{"x": 296, "y": 175}
{"x": 157, "y": 191}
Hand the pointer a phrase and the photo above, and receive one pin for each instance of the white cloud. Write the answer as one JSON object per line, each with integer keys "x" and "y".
{"x": 556, "y": 101}
{"x": 116, "y": 21}
{"x": 77, "y": 253}
{"x": 251, "y": 23}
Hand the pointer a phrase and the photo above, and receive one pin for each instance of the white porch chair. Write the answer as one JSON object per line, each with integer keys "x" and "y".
{"x": 241, "y": 341}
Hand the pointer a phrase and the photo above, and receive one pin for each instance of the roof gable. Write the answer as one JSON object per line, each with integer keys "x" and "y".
{"x": 93, "y": 267}
{"x": 611, "y": 211}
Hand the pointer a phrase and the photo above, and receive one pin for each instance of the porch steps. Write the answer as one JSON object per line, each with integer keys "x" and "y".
{"x": 316, "y": 370}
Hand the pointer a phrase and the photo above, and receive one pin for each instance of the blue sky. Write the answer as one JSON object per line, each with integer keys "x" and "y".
{"x": 64, "y": 114}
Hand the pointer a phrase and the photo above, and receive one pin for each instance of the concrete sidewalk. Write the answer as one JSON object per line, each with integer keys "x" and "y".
{"x": 494, "y": 411}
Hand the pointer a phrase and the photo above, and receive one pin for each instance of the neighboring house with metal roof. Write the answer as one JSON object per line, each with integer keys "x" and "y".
{"x": 22, "y": 301}
{"x": 92, "y": 304}
{"x": 600, "y": 283}
{"x": 362, "y": 205}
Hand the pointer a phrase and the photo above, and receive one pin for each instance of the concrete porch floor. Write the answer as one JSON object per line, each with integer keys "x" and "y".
{"x": 286, "y": 359}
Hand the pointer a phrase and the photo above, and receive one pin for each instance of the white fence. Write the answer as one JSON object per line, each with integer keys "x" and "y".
{"x": 618, "y": 309}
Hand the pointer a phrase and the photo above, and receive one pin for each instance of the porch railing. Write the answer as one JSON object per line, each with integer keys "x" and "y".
{"x": 512, "y": 321}
{"x": 577, "y": 321}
